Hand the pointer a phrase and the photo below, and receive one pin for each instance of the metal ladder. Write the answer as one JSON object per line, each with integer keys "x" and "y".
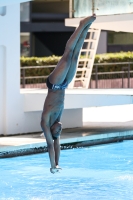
{"x": 86, "y": 59}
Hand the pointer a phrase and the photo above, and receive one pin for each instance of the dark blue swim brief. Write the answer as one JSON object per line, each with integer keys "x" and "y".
{"x": 55, "y": 86}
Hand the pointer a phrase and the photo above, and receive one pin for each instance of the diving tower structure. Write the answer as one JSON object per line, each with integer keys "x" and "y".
{"x": 111, "y": 15}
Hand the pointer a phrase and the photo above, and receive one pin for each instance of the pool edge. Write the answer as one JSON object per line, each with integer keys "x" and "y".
{"x": 75, "y": 142}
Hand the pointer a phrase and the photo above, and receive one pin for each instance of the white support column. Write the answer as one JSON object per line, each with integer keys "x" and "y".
{"x": 2, "y": 87}
{"x": 10, "y": 104}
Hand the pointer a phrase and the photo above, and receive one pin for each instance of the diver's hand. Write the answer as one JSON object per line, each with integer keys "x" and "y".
{"x": 55, "y": 169}
{"x": 59, "y": 168}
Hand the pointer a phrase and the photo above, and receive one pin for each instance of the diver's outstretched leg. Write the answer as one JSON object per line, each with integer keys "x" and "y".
{"x": 60, "y": 72}
{"x": 73, "y": 66}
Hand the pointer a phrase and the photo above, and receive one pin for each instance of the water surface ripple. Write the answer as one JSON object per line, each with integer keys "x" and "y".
{"x": 103, "y": 172}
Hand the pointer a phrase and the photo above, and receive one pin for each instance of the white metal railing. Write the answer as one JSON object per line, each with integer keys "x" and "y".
{"x": 125, "y": 76}
{"x": 24, "y": 78}
{"x": 100, "y": 7}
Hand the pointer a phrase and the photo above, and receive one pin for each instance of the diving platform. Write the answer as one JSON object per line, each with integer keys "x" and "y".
{"x": 78, "y": 98}
{"x": 117, "y": 22}
{"x": 81, "y": 106}
{"x": 110, "y": 16}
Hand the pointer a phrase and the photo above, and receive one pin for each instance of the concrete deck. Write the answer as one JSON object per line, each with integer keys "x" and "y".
{"x": 90, "y": 134}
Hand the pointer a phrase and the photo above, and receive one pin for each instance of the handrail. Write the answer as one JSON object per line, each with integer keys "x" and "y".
{"x": 70, "y": 8}
{"x": 117, "y": 63}
{"x": 39, "y": 67}
{"x": 33, "y": 77}
{"x": 116, "y": 72}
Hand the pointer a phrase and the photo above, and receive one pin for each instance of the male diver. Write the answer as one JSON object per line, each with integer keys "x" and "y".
{"x": 57, "y": 82}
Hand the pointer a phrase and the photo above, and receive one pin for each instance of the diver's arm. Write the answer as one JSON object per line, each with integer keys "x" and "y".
{"x": 54, "y": 152}
{"x": 51, "y": 150}
{"x": 57, "y": 150}
{"x": 50, "y": 145}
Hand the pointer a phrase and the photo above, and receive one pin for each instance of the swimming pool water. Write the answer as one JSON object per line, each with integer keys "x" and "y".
{"x": 102, "y": 172}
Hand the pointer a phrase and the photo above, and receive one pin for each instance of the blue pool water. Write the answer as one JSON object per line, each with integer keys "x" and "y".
{"x": 102, "y": 172}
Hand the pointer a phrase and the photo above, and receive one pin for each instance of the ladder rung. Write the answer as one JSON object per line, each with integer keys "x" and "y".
{"x": 81, "y": 78}
{"x": 83, "y": 69}
{"x": 84, "y": 59}
{"x": 93, "y": 30}
{"x": 90, "y": 40}
{"x": 86, "y": 50}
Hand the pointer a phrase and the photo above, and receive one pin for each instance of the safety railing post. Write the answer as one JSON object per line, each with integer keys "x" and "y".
{"x": 70, "y": 8}
{"x": 96, "y": 76}
{"x": 122, "y": 79}
{"x": 23, "y": 77}
{"x": 129, "y": 75}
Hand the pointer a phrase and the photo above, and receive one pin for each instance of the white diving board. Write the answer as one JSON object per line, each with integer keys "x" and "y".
{"x": 118, "y": 22}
